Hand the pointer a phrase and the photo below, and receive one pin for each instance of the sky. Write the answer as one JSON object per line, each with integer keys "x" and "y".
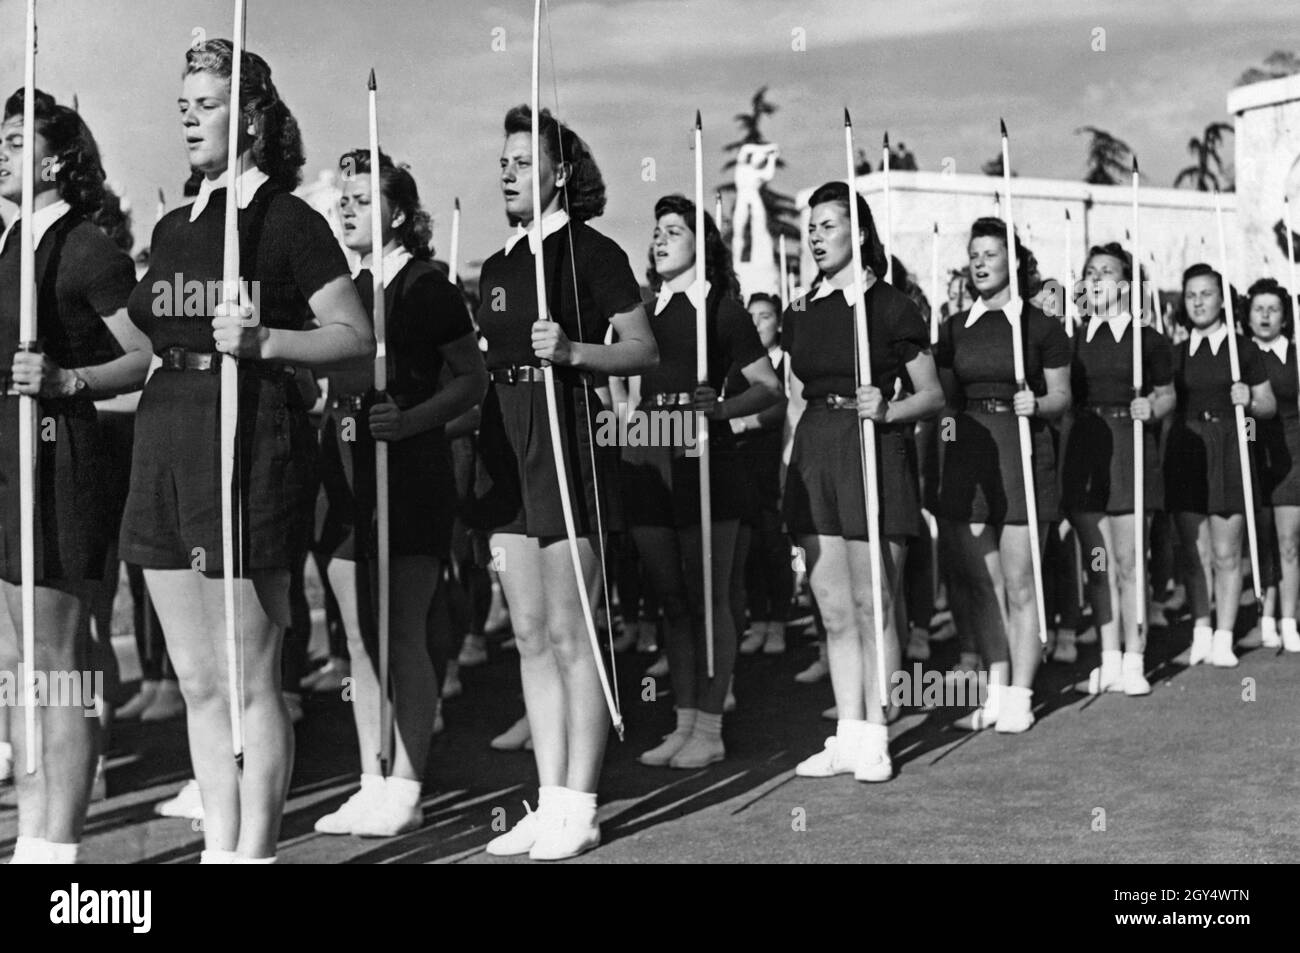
{"x": 630, "y": 74}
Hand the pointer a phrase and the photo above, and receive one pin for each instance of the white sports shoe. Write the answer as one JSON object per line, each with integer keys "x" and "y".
{"x": 833, "y": 759}
{"x": 562, "y": 835}
{"x": 519, "y": 839}
{"x": 350, "y": 812}
{"x": 188, "y": 803}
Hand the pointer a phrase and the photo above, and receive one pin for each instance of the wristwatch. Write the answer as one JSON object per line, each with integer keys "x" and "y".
{"x": 77, "y": 386}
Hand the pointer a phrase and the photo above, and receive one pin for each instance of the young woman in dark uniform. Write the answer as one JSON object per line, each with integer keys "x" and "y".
{"x": 1097, "y": 464}
{"x": 662, "y": 484}
{"x": 590, "y": 286}
{"x": 427, "y": 327}
{"x": 172, "y": 524}
{"x": 825, "y": 503}
{"x": 982, "y": 505}
{"x": 83, "y": 282}
{"x": 1203, "y": 488}
{"x": 769, "y": 581}
{"x": 1277, "y": 444}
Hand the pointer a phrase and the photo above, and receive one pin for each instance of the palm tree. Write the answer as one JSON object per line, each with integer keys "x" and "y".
{"x": 782, "y": 216}
{"x": 1276, "y": 65}
{"x": 1205, "y": 172}
{"x": 1108, "y": 158}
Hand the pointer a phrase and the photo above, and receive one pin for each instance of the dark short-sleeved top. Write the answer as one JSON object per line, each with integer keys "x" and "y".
{"x": 818, "y": 339}
{"x": 605, "y": 287}
{"x": 730, "y": 335}
{"x": 423, "y": 313}
{"x": 1102, "y": 372}
{"x": 1203, "y": 380}
{"x": 1286, "y": 387}
{"x": 93, "y": 279}
{"x": 981, "y": 360}
{"x": 285, "y": 245}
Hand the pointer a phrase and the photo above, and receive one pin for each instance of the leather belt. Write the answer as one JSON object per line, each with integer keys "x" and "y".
{"x": 346, "y": 402}
{"x": 680, "y": 399}
{"x": 1205, "y": 416}
{"x": 840, "y": 402}
{"x": 182, "y": 359}
{"x": 517, "y": 374}
{"x": 990, "y": 405}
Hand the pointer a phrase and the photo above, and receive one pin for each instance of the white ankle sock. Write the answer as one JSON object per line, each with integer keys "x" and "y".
{"x": 1202, "y": 632}
{"x": 1223, "y": 635}
{"x": 1018, "y": 699}
{"x": 31, "y": 850}
{"x": 369, "y": 781}
{"x": 708, "y": 726}
{"x": 1285, "y": 626}
{"x": 851, "y": 731}
{"x": 994, "y": 699}
{"x": 1268, "y": 626}
{"x": 217, "y": 857}
{"x": 579, "y": 805}
{"x": 1136, "y": 660}
{"x": 62, "y": 853}
{"x": 875, "y": 737}
{"x": 403, "y": 792}
{"x": 686, "y": 720}
{"x": 549, "y": 797}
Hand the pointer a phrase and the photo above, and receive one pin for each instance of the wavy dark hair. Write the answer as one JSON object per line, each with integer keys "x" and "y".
{"x": 718, "y": 269}
{"x": 1200, "y": 270}
{"x": 765, "y": 296}
{"x": 873, "y": 250}
{"x": 1026, "y": 263}
{"x": 1112, "y": 250}
{"x": 79, "y": 176}
{"x": 1271, "y": 286}
{"x": 277, "y": 142}
{"x": 583, "y": 193}
{"x": 398, "y": 185}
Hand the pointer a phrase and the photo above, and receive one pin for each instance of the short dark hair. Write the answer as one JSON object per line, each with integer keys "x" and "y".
{"x": 398, "y": 186}
{"x": 583, "y": 192}
{"x": 763, "y": 296}
{"x": 873, "y": 250}
{"x": 80, "y": 173}
{"x": 1112, "y": 250}
{"x": 277, "y": 147}
{"x": 717, "y": 256}
{"x": 1026, "y": 264}
{"x": 1201, "y": 270}
{"x": 1271, "y": 286}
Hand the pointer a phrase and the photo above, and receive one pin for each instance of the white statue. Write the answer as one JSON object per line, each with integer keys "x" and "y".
{"x": 755, "y": 167}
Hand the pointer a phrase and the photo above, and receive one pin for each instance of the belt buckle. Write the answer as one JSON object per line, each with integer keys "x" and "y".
{"x": 512, "y": 374}
{"x": 173, "y": 358}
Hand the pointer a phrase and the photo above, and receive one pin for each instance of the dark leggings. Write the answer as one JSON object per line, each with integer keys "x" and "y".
{"x": 769, "y": 579}
{"x": 1061, "y": 580}
{"x": 918, "y": 581}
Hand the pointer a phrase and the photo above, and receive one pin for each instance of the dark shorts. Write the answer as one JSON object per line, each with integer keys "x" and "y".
{"x": 1277, "y": 449}
{"x": 421, "y": 491}
{"x": 981, "y": 480}
{"x": 661, "y": 485}
{"x": 73, "y": 521}
{"x": 1097, "y": 466}
{"x": 173, "y": 510}
{"x": 824, "y": 493}
{"x": 1203, "y": 467}
{"x": 516, "y": 487}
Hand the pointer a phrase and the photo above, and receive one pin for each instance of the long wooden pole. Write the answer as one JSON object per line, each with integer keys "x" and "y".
{"x": 1067, "y": 275}
{"x": 702, "y": 376}
{"x": 230, "y": 393}
{"x": 27, "y": 403}
{"x": 379, "y": 284}
{"x": 783, "y": 286}
{"x": 1018, "y": 359}
{"x": 548, "y": 374}
{"x": 1139, "y": 428}
{"x": 453, "y": 266}
{"x": 888, "y": 230}
{"x": 1295, "y": 290}
{"x": 1243, "y": 446}
{"x": 867, "y": 427}
{"x": 936, "y": 308}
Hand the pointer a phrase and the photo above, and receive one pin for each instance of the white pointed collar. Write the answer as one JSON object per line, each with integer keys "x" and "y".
{"x": 246, "y": 185}
{"x": 43, "y": 220}
{"x": 776, "y": 355}
{"x": 552, "y": 222}
{"x": 1216, "y": 339}
{"x": 692, "y": 294}
{"x": 1278, "y": 346}
{"x": 1117, "y": 325}
{"x": 393, "y": 261}
{"x": 1013, "y": 309}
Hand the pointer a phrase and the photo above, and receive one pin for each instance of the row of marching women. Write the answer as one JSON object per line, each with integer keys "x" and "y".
{"x": 438, "y": 426}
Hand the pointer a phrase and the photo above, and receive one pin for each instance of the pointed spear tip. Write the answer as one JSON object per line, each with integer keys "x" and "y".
{"x": 936, "y": 228}
{"x": 1067, "y": 214}
{"x": 699, "y": 124}
{"x": 1003, "y": 124}
{"x": 847, "y": 120}
{"x": 161, "y": 197}
{"x": 456, "y": 203}
{"x": 370, "y": 85}
{"x": 886, "y": 140}
{"x": 1135, "y": 165}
